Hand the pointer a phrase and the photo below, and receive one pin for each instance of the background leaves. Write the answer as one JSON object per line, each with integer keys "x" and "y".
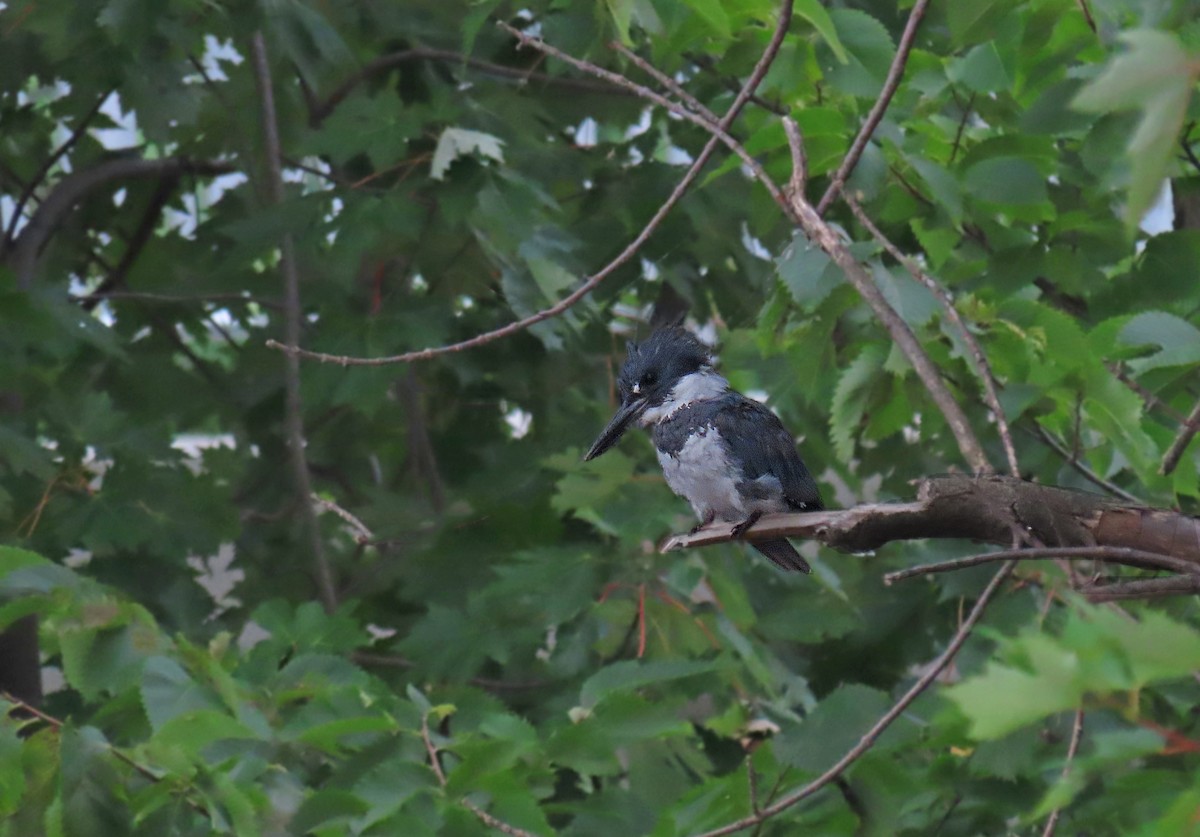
{"x": 500, "y": 602}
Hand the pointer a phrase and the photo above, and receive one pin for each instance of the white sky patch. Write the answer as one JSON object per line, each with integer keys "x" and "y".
{"x": 1160, "y": 217}
{"x": 215, "y": 573}
{"x": 125, "y": 134}
{"x": 586, "y": 133}
{"x": 759, "y": 395}
{"x": 676, "y": 156}
{"x": 753, "y": 246}
{"x": 214, "y": 53}
{"x": 519, "y": 421}
{"x": 641, "y": 126}
{"x": 650, "y": 271}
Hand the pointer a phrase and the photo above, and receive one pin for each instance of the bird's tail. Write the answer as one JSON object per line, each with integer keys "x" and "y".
{"x": 783, "y": 555}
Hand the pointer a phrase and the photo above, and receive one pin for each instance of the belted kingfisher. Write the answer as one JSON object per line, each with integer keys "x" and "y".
{"x": 727, "y": 455}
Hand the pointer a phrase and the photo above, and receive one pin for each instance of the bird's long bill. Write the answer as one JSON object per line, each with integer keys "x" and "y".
{"x": 625, "y": 416}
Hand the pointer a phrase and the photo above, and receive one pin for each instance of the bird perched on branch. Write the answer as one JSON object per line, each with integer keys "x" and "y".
{"x": 727, "y": 455}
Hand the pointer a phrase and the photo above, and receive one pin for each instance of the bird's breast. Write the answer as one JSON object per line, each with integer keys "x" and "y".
{"x": 698, "y": 468}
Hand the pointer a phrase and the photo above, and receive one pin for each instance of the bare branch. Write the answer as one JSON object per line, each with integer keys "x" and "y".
{"x": 927, "y": 678}
{"x": 294, "y": 407}
{"x": 760, "y": 70}
{"x": 1148, "y": 588}
{"x": 982, "y": 367}
{"x": 890, "y": 84}
{"x": 1072, "y": 749}
{"x": 1114, "y": 554}
{"x": 1190, "y": 425}
{"x": 24, "y": 253}
{"x": 665, "y": 80}
{"x": 799, "y": 179}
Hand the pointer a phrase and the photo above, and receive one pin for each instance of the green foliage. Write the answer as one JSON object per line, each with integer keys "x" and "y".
{"x": 508, "y": 608}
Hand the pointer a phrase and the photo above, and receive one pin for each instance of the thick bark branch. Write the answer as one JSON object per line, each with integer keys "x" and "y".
{"x": 980, "y": 508}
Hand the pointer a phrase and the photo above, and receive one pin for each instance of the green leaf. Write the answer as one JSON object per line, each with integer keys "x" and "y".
{"x": 975, "y": 21}
{"x": 1155, "y": 75}
{"x": 457, "y": 142}
{"x": 713, "y": 15}
{"x": 818, "y": 16}
{"x": 1178, "y": 339}
{"x": 850, "y": 399}
{"x": 981, "y": 70}
{"x": 869, "y": 51}
{"x": 168, "y": 691}
{"x": 1011, "y": 180}
{"x": 839, "y": 721}
{"x": 90, "y": 801}
{"x": 632, "y": 674}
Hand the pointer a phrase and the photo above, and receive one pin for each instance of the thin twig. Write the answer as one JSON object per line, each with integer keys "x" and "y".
{"x": 982, "y": 367}
{"x": 10, "y": 234}
{"x": 930, "y": 674}
{"x": 1072, "y": 748}
{"x": 1190, "y": 425}
{"x": 361, "y": 533}
{"x": 1087, "y": 15}
{"x": 484, "y": 817}
{"x": 117, "y": 753}
{"x": 760, "y": 70}
{"x": 434, "y": 762}
{"x": 1139, "y": 558}
{"x": 320, "y": 110}
{"x": 1149, "y": 588}
{"x": 752, "y": 782}
{"x": 140, "y": 238}
{"x": 890, "y": 85}
{"x": 799, "y": 179}
{"x": 293, "y": 315}
{"x": 665, "y": 80}
{"x": 1084, "y": 470}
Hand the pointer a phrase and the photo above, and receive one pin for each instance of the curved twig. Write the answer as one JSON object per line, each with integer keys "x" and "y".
{"x": 25, "y": 251}
{"x": 760, "y": 70}
{"x": 929, "y": 675}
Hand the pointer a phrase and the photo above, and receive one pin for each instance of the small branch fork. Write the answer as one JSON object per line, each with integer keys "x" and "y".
{"x": 484, "y": 817}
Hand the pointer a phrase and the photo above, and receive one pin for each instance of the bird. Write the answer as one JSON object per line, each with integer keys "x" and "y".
{"x": 729, "y": 456}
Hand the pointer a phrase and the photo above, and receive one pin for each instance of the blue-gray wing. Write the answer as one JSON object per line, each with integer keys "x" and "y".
{"x": 759, "y": 441}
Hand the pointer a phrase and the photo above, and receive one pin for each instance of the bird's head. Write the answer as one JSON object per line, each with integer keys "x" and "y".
{"x": 651, "y": 371}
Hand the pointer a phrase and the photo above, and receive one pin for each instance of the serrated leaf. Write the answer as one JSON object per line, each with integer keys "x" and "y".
{"x": 1012, "y": 180}
{"x": 632, "y": 674}
{"x": 818, "y": 16}
{"x": 1155, "y": 75}
{"x": 837, "y": 723}
{"x": 850, "y": 398}
{"x": 168, "y": 691}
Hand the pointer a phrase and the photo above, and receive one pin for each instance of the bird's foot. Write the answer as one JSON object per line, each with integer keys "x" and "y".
{"x": 704, "y": 521}
{"x": 739, "y": 529}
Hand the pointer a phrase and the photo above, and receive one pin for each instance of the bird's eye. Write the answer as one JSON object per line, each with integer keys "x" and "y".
{"x": 648, "y": 379}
